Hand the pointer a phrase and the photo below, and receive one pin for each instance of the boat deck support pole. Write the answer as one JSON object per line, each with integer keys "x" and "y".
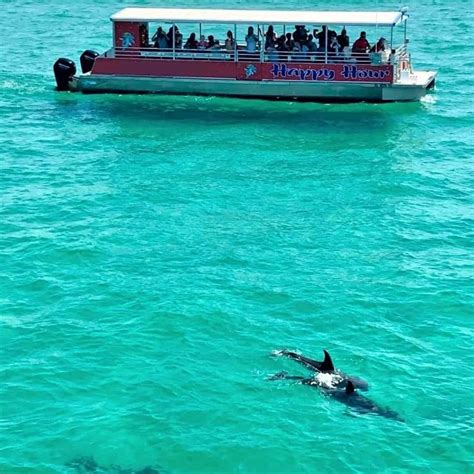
{"x": 236, "y": 58}
{"x": 174, "y": 41}
{"x": 326, "y": 45}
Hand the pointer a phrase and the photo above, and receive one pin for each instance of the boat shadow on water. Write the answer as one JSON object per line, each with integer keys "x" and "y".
{"x": 361, "y": 118}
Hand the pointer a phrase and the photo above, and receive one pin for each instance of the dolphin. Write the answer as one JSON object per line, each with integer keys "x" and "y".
{"x": 361, "y": 404}
{"x": 347, "y": 395}
{"x": 88, "y": 465}
{"x": 325, "y": 366}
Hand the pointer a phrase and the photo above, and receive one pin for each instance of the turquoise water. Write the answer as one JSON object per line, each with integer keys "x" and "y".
{"x": 155, "y": 250}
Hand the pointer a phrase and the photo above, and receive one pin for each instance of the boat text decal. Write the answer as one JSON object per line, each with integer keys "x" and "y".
{"x": 348, "y": 72}
{"x": 285, "y": 72}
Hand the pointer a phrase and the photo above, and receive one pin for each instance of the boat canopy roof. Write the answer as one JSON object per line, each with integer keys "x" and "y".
{"x": 262, "y": 17}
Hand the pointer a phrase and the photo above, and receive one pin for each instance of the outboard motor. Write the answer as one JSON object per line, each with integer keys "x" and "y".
{"x": 64, "y": 69}
{"x": 87, "y": 60}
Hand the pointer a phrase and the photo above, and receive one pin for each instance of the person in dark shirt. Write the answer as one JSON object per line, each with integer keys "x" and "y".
{"x": 311, "y": 44}
{"x": 300, "y": 35}
{"x": 321, "y": 36}
{"x": 289, "y": 43}
{"x": 379, "y": 46}
{"x": 178, "y": 37}
{"x": 160, "y": 39}
{"x": 211, "y": 42}
{"x": 270, "y": 38}
{"x": 281, "y": 43}
{"x": 343, "y": 39}
{"x": 191, "y": 42}
{"x": 229, "y": 42}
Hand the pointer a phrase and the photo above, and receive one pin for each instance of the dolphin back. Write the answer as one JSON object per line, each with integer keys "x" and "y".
{"x": 358, "y": 383}
{"x": 360, "y": 403}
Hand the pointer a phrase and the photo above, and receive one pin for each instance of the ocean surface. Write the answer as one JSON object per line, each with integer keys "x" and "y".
{"x": 155, "y": 250}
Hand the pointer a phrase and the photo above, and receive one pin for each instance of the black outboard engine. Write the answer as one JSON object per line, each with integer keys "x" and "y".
{"x": 64, "y": 69}
{"x": 87, "y": 60}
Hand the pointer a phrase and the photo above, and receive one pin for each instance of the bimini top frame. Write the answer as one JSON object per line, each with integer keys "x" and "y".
{"x": 266, "y": 17}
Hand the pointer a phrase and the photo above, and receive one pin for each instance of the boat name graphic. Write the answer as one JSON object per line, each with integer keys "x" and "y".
{"x": 348, "y": 72}
{"x": 250, "y": 71}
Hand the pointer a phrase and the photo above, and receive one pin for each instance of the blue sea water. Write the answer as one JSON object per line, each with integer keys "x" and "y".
{"x": 155, "y": 250}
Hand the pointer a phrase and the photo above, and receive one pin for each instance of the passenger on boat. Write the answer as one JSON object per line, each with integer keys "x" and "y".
{"x": 191, "y": 42}
{"x": 377, "y": 52}
{"x": 289, "y": 43}
{"x": 159, "y": 39}
{"x": 343, "y": 39}
{"x": 310, "y": 45}
{"x": 169, "y": 36}
{"x": 281, "y": 43}
{"x": 252, "y": 40}
{"x": 179, "y": 41}
{"x": 333, "y": 48}
{"x": 300, "y": 35}
{"x": 229, "y": 42}
{"x": 211, "y": 42}
{"x": 178, "y": 37}
{"x": 202, "y": 42}
{"x": 322, "y": 37}
{"x": 270, "y": 39}
{"x": 217, "y": 46}
{"x": 379, "y": 46}
{"x": 281, "y": 51}
{"x": 361, "y": 45}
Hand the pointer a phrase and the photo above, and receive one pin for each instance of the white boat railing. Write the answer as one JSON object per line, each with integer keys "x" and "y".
{"x": 399, "y": 57}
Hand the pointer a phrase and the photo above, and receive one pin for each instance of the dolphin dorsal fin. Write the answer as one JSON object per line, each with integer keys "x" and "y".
{"x": 327, "y": 365}
{"x": 350, "y": 389}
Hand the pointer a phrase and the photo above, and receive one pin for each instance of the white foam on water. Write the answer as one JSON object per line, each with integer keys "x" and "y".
{"x": 281, "y": 352}
{"x": 429, "y": 99}
{"x": 327, "y": 380}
